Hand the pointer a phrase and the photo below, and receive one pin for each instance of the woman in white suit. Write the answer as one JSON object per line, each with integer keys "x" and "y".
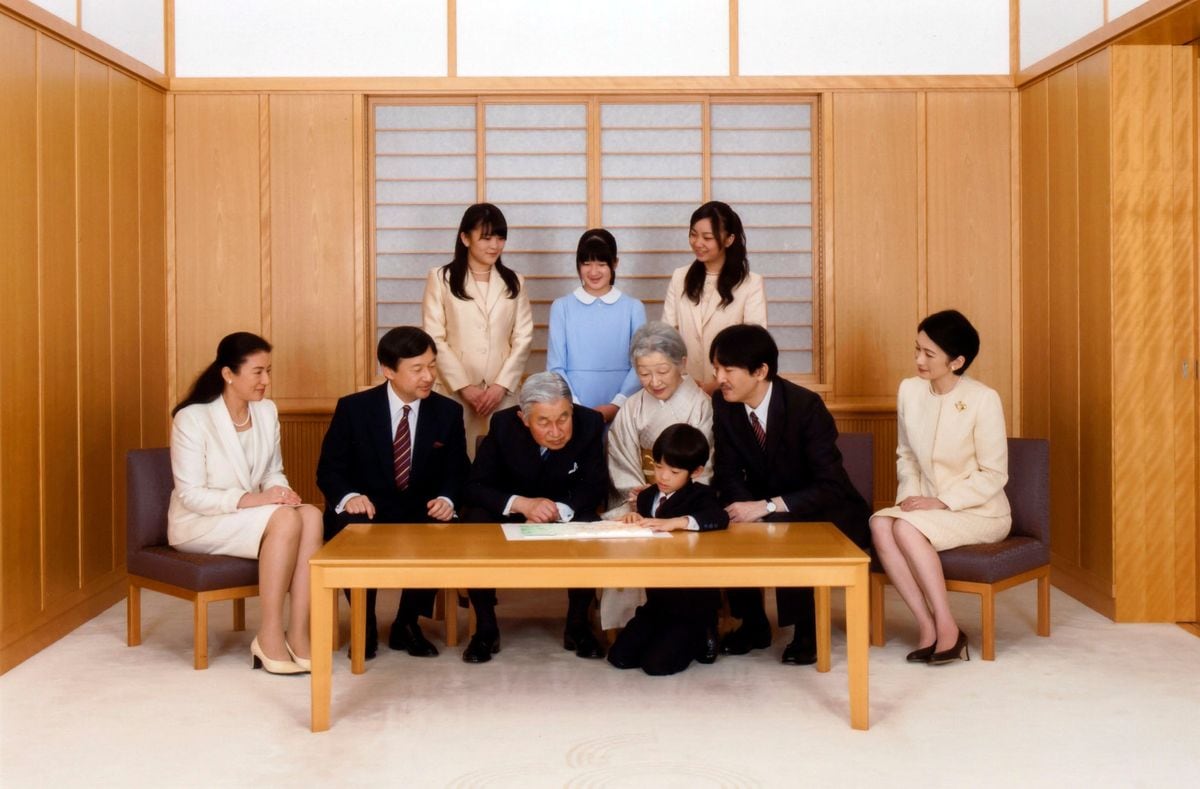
{"x": 717, "y": 290}
{"x": 952, "y": 465}
{"x": 477, "y": 311}
{"x": 231, "y": 496}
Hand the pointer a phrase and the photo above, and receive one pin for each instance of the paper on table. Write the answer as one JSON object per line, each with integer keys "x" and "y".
{"x": 597, "y": 530}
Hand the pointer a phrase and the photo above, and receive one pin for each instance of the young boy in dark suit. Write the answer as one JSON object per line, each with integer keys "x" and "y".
{"x": 675, "y": 626}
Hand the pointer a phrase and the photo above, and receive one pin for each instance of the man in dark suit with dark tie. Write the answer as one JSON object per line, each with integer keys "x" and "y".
{"x": 396, "y": 454}
{"x": 542, "y": 461}
{"x": 776, "y": 459}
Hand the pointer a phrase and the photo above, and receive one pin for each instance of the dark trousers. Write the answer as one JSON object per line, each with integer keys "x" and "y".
{"x": 484, "y": 603}
{"x": 414, "y": 603}
{"x": 794, "y": 606}
{"x": 657, "y": 642}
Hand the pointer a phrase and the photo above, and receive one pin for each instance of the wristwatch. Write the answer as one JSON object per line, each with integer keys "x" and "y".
{"x": 771, "y": 507}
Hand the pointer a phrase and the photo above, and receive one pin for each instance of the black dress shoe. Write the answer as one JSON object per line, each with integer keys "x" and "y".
{"x": 957, "y": 652}
{"x": 921, "y": 655}
{"x": 746, "y": 638}
{"x": 801, "y": 652}
{"x": 481, "y": 648}
{"x": 407, "y": 636}
{"x": 708, "y": 650}
{"x": 583, "y": 642}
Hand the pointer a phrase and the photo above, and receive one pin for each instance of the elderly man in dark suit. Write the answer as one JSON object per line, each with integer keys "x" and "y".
{"x": 396, "y": 454}
{"x": 776, "y": 459}
{"x": 542, "y": 461}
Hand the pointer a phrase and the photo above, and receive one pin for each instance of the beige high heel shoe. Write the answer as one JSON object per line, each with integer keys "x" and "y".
{"x": 302, "y": 662}
{"x": 260, "y": 660}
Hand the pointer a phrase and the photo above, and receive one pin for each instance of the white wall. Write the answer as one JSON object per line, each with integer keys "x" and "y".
{"x": 873, "y": 37}
{"x": 60, "y": 8}
{"x": 1117, "y": 8}
{"x": 1049, "y": 25}
{"x": 321, "y": 38}
{"x": 133, "y": 26}
{"x": 611, "y": 38}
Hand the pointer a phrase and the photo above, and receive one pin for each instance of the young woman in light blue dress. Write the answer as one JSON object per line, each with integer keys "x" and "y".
{"x": 590, "y": 329}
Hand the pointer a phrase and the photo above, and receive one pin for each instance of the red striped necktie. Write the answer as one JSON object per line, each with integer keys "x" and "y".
{"x": 402, "y": 451}
{"x": 759, "y": 433}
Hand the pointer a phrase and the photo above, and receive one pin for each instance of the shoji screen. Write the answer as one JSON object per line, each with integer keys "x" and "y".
{"x": 636, "y": 167}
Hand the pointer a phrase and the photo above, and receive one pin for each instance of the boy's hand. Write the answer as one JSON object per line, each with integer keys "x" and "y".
{"x": 632, "y": 517}
{"x": 666, "y": 524}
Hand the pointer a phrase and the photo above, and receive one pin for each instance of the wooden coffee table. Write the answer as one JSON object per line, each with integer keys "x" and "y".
{"x": 474, "y": 555}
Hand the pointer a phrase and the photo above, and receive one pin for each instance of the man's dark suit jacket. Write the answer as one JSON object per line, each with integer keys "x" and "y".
{"x": 509, "y": 462}
{"x": 356, "y": 456}
{"x": 699, "y": 501}
{"x": 801, "y": 463}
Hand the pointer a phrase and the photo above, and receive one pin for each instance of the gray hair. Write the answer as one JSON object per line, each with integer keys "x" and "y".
{"x": 657, "y": 337}
{"x": 544, "y": 387}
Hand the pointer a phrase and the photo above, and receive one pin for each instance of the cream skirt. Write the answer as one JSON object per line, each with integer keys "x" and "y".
{"x": 947, "y": 529}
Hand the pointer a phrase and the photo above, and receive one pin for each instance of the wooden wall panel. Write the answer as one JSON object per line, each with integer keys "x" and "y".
{"x": 969, "y": 192}
{"x": 20, "y": 453}
{"x": 1063, "y": 340}
{"x": 59, "y": 340}
{"x": 95, "y": 363}
{"x": 70, "y": 227}
{"x": 1147, "y": 550}
{"x": 312, "y": 283}
{"x": 126, "y": 282}
{"x": 875, "y": 250}
{"x": 218, "y": 287}
{"x": 300, "y": 436}
{"x": 1035, "y": 237}
{"x": 1095, "y": 318}
{"x": 1185, "y": 103}
{"x": 156, "y": 397}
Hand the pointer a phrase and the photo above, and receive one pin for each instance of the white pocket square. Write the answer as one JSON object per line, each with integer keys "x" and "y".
{"x": 574, "y": 468}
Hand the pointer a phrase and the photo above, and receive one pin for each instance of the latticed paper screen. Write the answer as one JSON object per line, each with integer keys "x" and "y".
{"x": 637, "y": 168}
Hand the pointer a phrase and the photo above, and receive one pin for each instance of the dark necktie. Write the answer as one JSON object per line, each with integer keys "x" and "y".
{"x": 658, "y": 506}
{"x": 402, "y": 451}
{"x": 759, "y": 433}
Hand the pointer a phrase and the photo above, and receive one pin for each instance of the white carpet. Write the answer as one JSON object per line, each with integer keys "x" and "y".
{"x": 1096, "y": 704}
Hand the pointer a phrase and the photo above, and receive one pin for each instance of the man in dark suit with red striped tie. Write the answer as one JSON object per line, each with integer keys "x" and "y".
{"x": 396, "y": 454}
{"x": 775, "y": 459}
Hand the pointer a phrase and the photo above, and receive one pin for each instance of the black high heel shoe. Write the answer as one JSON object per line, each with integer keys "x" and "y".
{"x": 923, "y": 654}
{"x": 959, "y": 651}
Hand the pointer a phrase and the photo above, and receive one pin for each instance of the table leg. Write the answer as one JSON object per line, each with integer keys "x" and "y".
{"x": 322, "y": 650}
{"x": 358, "y": 630}
{"x": 857, "y": 613}
{"x": 824, "y": 626}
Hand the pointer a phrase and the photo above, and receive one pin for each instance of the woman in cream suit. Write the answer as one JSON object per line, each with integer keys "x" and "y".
{"x": 477, "y": 311}
{"x": 716, "y": 290}
{"x": 952, "y": 465}
{"x": 232, "y": 498}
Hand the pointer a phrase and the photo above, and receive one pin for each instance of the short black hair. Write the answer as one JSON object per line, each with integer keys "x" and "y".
{"x": 403, "y": 342}
{"x": 745, "y": 345}
{"x": 597, "y": 245}
{"x": 681, "y": 446}
{"x": 953, "y": 333}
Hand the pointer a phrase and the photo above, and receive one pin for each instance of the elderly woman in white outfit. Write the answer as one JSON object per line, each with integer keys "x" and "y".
{"x": 231, "y": 496}
{"x": 952, "y": 465}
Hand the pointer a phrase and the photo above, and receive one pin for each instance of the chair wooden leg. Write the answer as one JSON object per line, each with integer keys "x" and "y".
{"x": 133, "y": 616}
{"x": 450, "y": 614}
{"x": 200, "y": 632}
{"x": 337, "y": 632}
{"x": 987, "y": 608}
{"x": 878, "y": 584}
{"x": 1043, "y": 593}
{"x": 239, "y": 614}
{"x": 821, "y": 598}
{"x": 358, "y": 630}
{"x": 470, "y": 622}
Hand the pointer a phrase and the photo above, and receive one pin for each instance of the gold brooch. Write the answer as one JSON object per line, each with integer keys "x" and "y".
{"x": 960, "y": 405}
